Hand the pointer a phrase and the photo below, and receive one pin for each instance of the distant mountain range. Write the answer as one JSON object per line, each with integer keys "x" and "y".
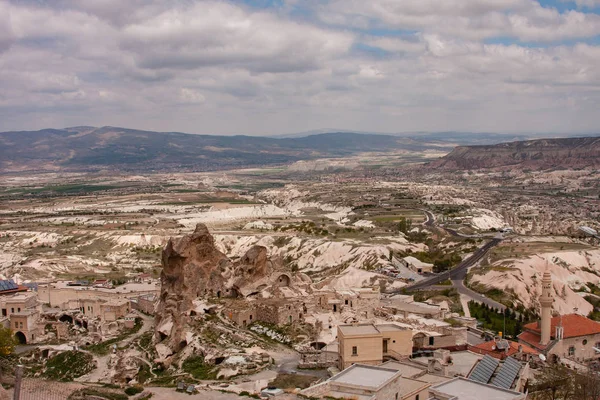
{"x": 87, "y": 148}
{"x": 567, "y": 153}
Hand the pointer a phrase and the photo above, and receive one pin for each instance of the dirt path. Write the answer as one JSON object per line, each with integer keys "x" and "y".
{"x": 103, "y": 372}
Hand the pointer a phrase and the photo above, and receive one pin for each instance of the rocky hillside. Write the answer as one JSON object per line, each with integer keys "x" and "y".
{"x": 89, "y": 149}
{"x": 569, "y": 153}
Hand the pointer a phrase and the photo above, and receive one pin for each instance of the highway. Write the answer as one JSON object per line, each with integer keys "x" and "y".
{"x": 458, "y": 274}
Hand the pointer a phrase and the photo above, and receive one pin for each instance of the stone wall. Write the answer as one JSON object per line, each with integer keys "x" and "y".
{"x": 583, "y": 351}
{"x": 60, "y": 297}
{"x": 369, "y": 350}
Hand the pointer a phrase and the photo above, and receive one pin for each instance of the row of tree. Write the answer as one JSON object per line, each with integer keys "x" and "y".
{"x": 509, "y": 322}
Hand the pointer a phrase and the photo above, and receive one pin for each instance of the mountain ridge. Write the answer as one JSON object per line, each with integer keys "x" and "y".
{"x": 88, "y": 148}
{"x": 567, "y": 153}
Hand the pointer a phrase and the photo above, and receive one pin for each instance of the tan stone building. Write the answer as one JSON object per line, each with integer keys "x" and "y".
{"x": 18, "y": 302}
{"x": 370, "y": 344}
{"x": 272, "y": 311}
{"x": 24, "y": 324}
{"x": 60, "y": 294}
{"x": 144, "y": 303}
{"x": 467, "y": 389}
{"x": 361, "y": 301}
{"x": 113, "y": 310}
{"x": 449, "y": 337}
{"x": 366, "y": 382}
{"x": 89, "y": 307}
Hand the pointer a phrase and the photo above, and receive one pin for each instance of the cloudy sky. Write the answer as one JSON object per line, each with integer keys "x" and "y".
{"x": 281, "y": 66}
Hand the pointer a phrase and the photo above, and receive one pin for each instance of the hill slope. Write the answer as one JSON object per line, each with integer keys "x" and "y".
{"x": 533, "y": 154}
{"x": 89, "y": 148}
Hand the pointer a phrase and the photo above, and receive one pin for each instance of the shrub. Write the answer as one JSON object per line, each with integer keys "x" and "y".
{"x": 69, "y": 365}
{"x": 196, "y": 367}
{"x": 133, "y": 390}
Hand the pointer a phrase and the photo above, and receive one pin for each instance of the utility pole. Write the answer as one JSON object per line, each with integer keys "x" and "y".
{"x": 504, "y": 318}
{"x": 18, "y": 379}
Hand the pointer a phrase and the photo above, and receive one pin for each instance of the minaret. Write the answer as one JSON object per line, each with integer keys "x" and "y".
{"x": 546, "y": 305}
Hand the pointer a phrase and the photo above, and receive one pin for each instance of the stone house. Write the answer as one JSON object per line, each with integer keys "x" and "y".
{"x": 369, "y": 382}
{"x": 271, "y": 311}
{"x": 15, "y": 303}
{"x": 362, "y": 301}
{"x": 449, "y": 337}
{"x": 467, "y": 389}
{"x": 113, "y": 310}
{"x": 144, "y": 303}
{"x": 24, "y": 324}
{"x": 370, "y": 344}
{"x": 91, "y": 308}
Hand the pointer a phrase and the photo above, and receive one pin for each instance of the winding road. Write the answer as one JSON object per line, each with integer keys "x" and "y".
{"x": 458, "y": 274}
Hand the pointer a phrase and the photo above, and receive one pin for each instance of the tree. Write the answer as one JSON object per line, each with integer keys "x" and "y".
{"x": 7, "y": 342}
{"x": 404, "y": 225}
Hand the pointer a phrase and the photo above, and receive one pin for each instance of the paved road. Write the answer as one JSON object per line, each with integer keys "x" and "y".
{"x": 457, "y": 273}
{"x": 472, "y": 295}
{"x": 430, "y": 218}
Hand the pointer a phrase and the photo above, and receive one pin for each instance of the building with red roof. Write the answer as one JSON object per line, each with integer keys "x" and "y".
{"x": 502, "y": 348}
{"x": 572, "y": 336}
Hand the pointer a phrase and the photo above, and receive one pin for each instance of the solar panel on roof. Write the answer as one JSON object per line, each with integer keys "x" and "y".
{"x": 8, "y": 285}
{"x": 484, "y": 369}
{"x": 507, "y": 374}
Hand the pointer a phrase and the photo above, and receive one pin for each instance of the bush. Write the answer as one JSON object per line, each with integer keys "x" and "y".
{"x": 69, "y": 365}
{"x": 96, "y": 392}
{"x": 196, "y": 367}
{"x": 133, "y": 390}
{"x": 7, "y": 341}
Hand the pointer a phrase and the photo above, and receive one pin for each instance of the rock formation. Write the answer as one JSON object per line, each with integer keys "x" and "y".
{"x": 194, "y": 269}
{"x": 533, "y": 154}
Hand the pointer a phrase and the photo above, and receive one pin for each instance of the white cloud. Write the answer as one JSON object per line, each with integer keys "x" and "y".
{"x": 217, "y": 67}
{"x": 586, "y": 3}
{"x": 526, "y": 20}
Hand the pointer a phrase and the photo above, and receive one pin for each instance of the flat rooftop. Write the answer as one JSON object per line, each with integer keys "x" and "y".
{"x": 466, "y": 389}
{"x": 362, "y": 329}
{"x": 365, "y": 376}
{"x": 462, "y": 362}
{"x": 126, "y": 288}
{"x": 389, "y": 328}
{"x": 407, "y": 371}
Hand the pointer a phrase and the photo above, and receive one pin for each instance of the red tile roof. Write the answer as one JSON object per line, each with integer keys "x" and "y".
{"x": 532, "y": 339}
{"x": 574, "y": 325}
{"x": 489, "y": 348}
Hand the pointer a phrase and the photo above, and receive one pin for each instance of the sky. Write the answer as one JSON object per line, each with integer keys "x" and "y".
{"x": 268, "y": 67}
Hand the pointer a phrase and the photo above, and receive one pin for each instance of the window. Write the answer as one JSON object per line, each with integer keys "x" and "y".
{"x": 21, "y": 325}
{"x": 431, "y": 339}
{"x": 16, "y": 325}
{"x": 354, "y": 350}
{"x": 12, "y": 310}
{"x": 346, "y": 302}
{"x": 571, "y": 350}
{"x": 584, "y": 342}
{"x": 396, "y": 396}
{"x": 4, "y": 312}
{"x": 19, "y": 309}
{"x": 417, "y": 397}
